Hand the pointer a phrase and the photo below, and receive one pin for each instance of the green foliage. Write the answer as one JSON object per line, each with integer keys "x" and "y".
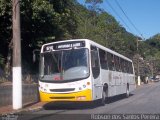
{"x": 44, "y": 21}
{"x": 104, "y": 29}
{"x": 5, "y": 26}
{"x": 150, "y": 49}
{"x": 154, "y": 46}
{"x": 1, "y": 61}
{"x": 154, "y": 41}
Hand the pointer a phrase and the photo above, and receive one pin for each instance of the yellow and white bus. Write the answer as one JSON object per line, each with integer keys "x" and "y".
{"x": 82, "y": 70}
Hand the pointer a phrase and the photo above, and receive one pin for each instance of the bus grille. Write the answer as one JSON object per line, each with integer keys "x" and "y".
{"x": 62, "y": 90}
{"x": 62, "y": 97}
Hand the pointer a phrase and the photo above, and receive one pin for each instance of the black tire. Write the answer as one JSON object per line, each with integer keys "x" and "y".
{"x": 127, "y": 91}
{"x": 104, "y": 95}
{"x": 103, "y": 100}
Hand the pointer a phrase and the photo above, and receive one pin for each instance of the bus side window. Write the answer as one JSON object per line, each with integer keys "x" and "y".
{"x": 111, "y": 61}
{"x": 125, "y": 66}
{"x": 95, "y": 62}
{"x": 116, "y": 58}
{"x": 130, "y": 68}
{"x": 122, "y": 65}
{"x": 119, "y": 64}
{"x": 103, "y": 59}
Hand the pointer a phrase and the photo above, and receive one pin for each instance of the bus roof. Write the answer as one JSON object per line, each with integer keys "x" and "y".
{"x": 92, "y": 43}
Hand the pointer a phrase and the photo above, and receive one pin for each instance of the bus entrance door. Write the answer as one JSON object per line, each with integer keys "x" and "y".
{"x": 96, "y": 73}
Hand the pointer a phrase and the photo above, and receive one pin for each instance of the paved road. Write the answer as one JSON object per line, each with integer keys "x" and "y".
{"x": 144, "y": 100}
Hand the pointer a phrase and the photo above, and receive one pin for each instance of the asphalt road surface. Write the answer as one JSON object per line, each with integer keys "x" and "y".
{"x": 144, "y": 103}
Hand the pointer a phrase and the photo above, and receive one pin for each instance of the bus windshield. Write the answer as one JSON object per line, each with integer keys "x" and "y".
{"x": 64, "y": 65}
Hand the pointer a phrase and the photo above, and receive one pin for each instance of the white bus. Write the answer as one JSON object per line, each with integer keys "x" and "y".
{"x": 82, "y": 70}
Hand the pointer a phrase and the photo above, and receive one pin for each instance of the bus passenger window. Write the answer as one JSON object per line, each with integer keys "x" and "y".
{"x": 103, "y": 59}
{"x": 111, "y": 61}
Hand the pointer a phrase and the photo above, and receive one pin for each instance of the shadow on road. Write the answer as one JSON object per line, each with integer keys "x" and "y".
{"x": 81, "y": 105}
{"x": 69, "y": 105}
{"x": 117, "y": 98}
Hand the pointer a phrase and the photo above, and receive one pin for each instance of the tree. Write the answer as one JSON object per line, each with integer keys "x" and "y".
{"x": 41, "y": 21}
{"x": 5, "y": 26}
{"x": 5, "y": 34}
{"x": 44, "y": 21}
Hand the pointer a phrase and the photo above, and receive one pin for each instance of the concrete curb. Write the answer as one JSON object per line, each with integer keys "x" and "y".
{"x": 29, "y": 110}
{"x": 22, "y": 111}
{"x": 32, "y": 108}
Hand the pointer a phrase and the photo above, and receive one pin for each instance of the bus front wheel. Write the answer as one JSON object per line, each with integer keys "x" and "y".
{"x": 103, "y": 100}
{"x": 104, "y": 95}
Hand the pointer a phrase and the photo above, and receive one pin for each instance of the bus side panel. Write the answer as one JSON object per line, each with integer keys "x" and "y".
{"x": 112, "y": 88}
{"x": 118, "y": 82}
{"x": 104, "y": 76}
{"x": 132, "y": 84}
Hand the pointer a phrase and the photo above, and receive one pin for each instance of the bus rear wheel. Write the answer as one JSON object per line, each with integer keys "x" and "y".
{"x": 127, "y": 91}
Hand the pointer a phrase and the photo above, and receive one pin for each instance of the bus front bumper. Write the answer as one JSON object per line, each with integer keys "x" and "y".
{"x": 85, "y": 95}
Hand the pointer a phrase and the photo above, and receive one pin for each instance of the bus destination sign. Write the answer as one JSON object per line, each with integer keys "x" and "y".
{"x": 65, "y": 45}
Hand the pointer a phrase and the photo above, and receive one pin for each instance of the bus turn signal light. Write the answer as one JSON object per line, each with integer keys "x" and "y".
{"x": 88, "y": 83}
{"x": 81, "y": 97}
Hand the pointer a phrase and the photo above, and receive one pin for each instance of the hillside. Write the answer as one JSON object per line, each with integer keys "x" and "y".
{"x": 44, "y": 21}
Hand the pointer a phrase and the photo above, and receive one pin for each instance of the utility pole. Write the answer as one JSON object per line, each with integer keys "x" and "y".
{"x": 138, "y": 77}
{"x": 17, "y": 72}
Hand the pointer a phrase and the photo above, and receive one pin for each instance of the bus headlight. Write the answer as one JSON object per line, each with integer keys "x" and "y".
{"x": 42, "y": 89}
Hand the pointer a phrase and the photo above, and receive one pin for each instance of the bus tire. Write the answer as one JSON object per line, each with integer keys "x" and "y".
{"x": 104, "y": 96}
{"x": 103, "y": 100}
{"x": 127, "y": 91}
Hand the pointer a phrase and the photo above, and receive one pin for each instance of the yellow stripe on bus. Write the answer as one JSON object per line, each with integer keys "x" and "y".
{"x": 85, "y": 95}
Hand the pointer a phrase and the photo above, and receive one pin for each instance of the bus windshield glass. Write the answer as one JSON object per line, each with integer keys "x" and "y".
{"x": 64, "y": 65}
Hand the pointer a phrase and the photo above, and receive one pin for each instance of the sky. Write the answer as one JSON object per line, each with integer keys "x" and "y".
{"x": 143, "y": 15}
